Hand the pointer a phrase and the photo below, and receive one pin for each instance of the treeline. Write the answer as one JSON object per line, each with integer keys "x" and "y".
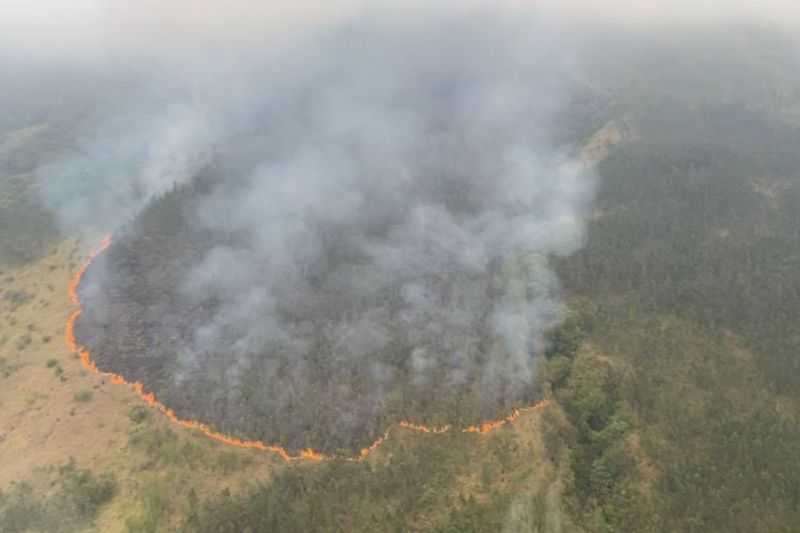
{"x": 704, "y": 228}
{"x": 688, "y": 290}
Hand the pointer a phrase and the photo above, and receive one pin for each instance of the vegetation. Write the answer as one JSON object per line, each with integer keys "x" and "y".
{"x": 312, "y": 398}
{"x": 83, "y": 396}
{"x": 417, "y": 488}
{"x": 164, "y": 446}
{"x": 673, "y": 385}
{"x": 139, "y": 414}
{"x": 150, "y": 517}
{"x": 675, "y": 380}
{"x": 687, "y": 294}
{"x": 28, "y": 227}
{"x": 7, "y": 367}
{"x": 72, "y": 507}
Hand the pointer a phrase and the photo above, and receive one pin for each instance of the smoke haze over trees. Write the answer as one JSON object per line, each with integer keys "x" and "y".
{"x": 371, "y": 239}
{"x": 329, "y": 218}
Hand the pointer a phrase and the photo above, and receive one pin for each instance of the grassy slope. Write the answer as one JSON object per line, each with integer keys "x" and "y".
{"x": 52, "y": 410}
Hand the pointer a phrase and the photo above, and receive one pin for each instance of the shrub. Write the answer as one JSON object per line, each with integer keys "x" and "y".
{"x": 83, "y": 396}
{"x": 23, "y": 342}
{"x": 71, "y": 507}
{"x": 86, "y": 492}
{"x": 138, "y": 414}
{"x": 154, "y": 505}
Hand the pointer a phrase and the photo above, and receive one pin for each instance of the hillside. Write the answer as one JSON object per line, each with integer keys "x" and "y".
{"x": 670, "y": 384}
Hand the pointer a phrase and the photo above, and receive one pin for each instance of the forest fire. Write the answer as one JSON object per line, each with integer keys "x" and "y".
{"x": 75, "y": 282}
{"x": 424, "y": 429}
{"x": 491, "y": 425}
{"x": 306, "y": 454}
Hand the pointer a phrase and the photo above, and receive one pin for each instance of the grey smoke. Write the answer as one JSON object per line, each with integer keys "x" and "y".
{"x": 116, "y": 166}
{"x": 395, "y": 177}
{"x": 421, "y": 154}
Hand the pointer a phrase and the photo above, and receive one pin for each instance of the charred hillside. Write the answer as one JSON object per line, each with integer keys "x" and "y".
{"x": 369, "y": 246}
{"x": 140, "y": 322}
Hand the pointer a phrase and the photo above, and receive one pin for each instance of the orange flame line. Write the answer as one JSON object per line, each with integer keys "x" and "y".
{"x": 423, "y": 429}
{"x": 307, "y": 454}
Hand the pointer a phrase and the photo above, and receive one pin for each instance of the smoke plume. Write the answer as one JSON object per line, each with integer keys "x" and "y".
{"x": 392, "y": 183}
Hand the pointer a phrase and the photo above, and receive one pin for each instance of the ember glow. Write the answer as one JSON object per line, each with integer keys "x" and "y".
{"x": 307, "y": 454}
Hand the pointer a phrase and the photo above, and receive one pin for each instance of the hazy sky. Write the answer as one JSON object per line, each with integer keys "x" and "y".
{"x": 81, "y": 29}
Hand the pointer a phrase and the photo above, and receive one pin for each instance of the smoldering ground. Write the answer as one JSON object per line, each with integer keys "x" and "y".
{"x": 371, "y": 238}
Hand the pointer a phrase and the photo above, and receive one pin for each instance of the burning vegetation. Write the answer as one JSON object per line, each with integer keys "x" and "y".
{"x": 364, "y": 246}
{"x": 305, "y": 454}
{"x": 318, "y": 283}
